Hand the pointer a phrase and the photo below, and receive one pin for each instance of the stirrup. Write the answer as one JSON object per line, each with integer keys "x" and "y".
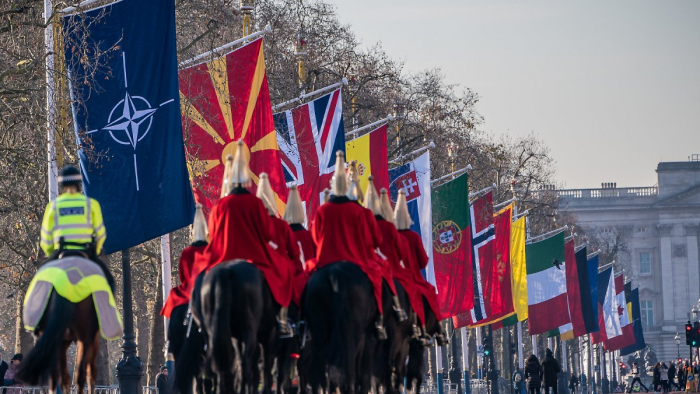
{"x": 400, "y": 314}
{"x": 441, "y": 340}
{"x": 426, "y": 340}
{"x": 381, "y": 331}
{"x": 285, "y": 329}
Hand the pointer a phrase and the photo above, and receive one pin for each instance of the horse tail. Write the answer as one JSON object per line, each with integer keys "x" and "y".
{"x": 338, "y": 360}
{"x": 37, "y": 365}
{"x": 188, "y": 363}
{"x": 217, "y": 314}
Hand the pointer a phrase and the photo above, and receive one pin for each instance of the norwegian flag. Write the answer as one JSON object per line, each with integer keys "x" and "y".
{"x": 308, "y": 137}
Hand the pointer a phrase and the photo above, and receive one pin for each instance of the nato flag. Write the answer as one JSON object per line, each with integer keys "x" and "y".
{"x": 122, "y": 63}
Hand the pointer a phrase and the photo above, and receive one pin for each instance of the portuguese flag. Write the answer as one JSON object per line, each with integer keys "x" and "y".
{"x": 548, "y": 307}
{"x": 452, "y": 246}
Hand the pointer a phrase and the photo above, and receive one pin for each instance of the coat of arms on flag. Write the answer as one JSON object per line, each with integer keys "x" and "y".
{"x": 222, "y": 101}
{"x": 447, "y": 237}
{"x": 308, "y": 137}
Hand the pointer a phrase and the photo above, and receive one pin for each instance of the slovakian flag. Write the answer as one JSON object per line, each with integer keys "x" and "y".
{"x": 639, "y": 342}
{"x": 309, "y": 136}
{"x": 370, "y": 152}
{"x": 624, "y": 315}
{"x": 414, "y": 179}
{"x": 546, "y": 285}
{"x": 608, "y": 314}
{"x": 222, "y": 101}
{"x": 452, "y": 246}
{"x": 127, "y": 120}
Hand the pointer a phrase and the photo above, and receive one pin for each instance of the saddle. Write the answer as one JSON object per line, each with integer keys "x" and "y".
{"x": 74, "y": 278}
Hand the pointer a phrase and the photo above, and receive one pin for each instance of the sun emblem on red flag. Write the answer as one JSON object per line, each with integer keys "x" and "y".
{"x": 222, "y": 101}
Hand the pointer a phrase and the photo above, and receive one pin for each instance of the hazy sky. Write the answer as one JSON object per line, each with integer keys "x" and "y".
{"x": 612, "y": 87}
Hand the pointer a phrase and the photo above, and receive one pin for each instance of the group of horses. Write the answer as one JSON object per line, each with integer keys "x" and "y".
{"x": 228, "y": 340}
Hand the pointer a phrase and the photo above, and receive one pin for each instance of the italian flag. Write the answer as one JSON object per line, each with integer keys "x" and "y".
{"x": 548, "y": 307}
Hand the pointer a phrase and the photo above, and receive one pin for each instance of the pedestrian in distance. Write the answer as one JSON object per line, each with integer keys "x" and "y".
{"x": 672, "y": 376}
{"x": 162, "y": 381}
{"x": 573, "y": 383}
{"x": 550, "y": 369}
{"x": 533, "y": 374}
{"x": 636, "y": 377}
{"x": 663, "y": 376}
{"x": 656, "y": 378}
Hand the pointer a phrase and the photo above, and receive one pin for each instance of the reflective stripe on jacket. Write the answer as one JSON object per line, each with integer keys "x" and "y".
{"x": 74, "y": 217}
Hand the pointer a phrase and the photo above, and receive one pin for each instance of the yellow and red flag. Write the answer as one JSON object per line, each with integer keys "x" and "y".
{"x": 222, "y": 101}
{"x": 370, "y": 151}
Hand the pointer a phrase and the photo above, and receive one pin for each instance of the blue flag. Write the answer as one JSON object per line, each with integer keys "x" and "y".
{"x": 127, "y": 118}
{"x": 414, "y": 179}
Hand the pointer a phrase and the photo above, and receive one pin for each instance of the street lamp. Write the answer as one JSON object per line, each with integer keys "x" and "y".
{"x": 678, "y": 344}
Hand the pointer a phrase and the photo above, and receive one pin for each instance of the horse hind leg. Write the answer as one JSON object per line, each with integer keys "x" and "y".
{"x": 92, "y": 363}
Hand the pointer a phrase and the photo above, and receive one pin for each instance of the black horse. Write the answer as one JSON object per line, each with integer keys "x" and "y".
{"x": 340, "y": 310}
{"x": 187, "y": 343}
{"x": 415, "y": 366}
{"x": 237, "y": 304}
{"x": 390, "y": 364}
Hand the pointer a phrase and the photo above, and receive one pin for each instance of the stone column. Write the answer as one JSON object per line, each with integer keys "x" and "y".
{"x": 666, "y": 267}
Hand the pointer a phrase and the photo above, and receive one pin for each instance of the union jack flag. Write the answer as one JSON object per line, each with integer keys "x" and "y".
{"x": 308, "y": 137}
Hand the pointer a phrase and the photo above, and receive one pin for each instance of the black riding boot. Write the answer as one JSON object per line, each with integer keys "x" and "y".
{"x": 414, "y": 326}
{"x": 400, "y": 313}
{"x": 381, "y": 331}
{"x": 285, "y": 327}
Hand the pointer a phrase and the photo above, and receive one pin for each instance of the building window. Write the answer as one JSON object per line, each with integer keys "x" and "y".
{"x": 643, "y": 229}
{"x": 644, "y": 262}
{"x": 647, "y": 313}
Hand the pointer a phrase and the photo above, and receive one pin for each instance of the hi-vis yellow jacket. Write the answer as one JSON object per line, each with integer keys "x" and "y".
{"x": 74, "y": 217}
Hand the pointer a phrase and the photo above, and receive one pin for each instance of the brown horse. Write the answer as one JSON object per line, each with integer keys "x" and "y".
{"x": 63, "y": 323}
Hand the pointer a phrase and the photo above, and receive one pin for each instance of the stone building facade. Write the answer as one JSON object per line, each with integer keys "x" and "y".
{"x": 659, "y": 226}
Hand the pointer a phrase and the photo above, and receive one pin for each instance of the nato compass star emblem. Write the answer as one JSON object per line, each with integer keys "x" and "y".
{"x": 130, "y": 120}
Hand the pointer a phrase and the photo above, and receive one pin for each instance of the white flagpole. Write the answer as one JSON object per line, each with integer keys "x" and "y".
{"x": 415, "y": 152}
{"x": 465, "y": 359}
{"x": 51, "y": 110}
{"x": 370, "y": 126}
{"x": 438, "y": 363}
{"x": 304, "y": 96}
{"x": 534, "y": 345}
{"x": 167, "y": 273}
{"x": 221, "y": 50}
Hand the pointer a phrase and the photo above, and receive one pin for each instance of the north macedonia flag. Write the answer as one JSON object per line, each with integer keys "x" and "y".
{"x": 222, "y": 101}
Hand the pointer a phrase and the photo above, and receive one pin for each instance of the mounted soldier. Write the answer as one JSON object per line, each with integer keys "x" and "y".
{"x": 418, "y": 260}
{"x": 295, "y": 216}
{"x": 241, "y": 228}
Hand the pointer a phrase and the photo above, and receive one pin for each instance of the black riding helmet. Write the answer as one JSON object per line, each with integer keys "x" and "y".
{"x": 69, "y": 176}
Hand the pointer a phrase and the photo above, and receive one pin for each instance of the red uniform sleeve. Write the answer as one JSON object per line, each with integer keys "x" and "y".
{"x": 293, "y": 250}
{"x": 421, "y": 256}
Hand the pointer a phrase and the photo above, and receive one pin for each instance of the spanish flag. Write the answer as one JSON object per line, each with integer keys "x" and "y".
{"x": 371, "y": 154}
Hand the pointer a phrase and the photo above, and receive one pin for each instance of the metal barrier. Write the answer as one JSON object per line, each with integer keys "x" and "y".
{"x": 45, "y": 390}
{"x": 150, "y": 390}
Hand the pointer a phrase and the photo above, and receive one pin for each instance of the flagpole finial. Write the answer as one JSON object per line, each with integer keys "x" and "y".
{"x": 387, "y": 211}
{"x": 266, "y": 194}
{"x": 339, "y": 183}
{"x": 294, "y": 214}
{"x": 372, "y": 201}
{"x": 199, "y": 226}
{"x": 402, "y": 219}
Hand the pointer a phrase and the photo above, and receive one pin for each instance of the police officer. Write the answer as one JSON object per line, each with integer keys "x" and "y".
{"x": 72, "y": 223}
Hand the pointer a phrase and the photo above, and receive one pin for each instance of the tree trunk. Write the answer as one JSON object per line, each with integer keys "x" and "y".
{"x": 157, "y": 343}
{"x": 141, "y": 316}
{"x": 103, "y": 367}
{"x": 24, "y": 341}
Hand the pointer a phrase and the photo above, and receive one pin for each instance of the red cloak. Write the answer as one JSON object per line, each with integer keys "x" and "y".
{"x": 305, "y": 241}
{"x": 345, "y": 231}
{"x": 240, "y": 228}
{"x": 289, "y": 248}
{"x": 180, "y": 295}
{"x": 418, "y": 260}
{"x": 396, "y": 250}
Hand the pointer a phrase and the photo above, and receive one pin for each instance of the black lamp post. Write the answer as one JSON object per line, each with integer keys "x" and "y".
{"x": 129, "y": 368}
